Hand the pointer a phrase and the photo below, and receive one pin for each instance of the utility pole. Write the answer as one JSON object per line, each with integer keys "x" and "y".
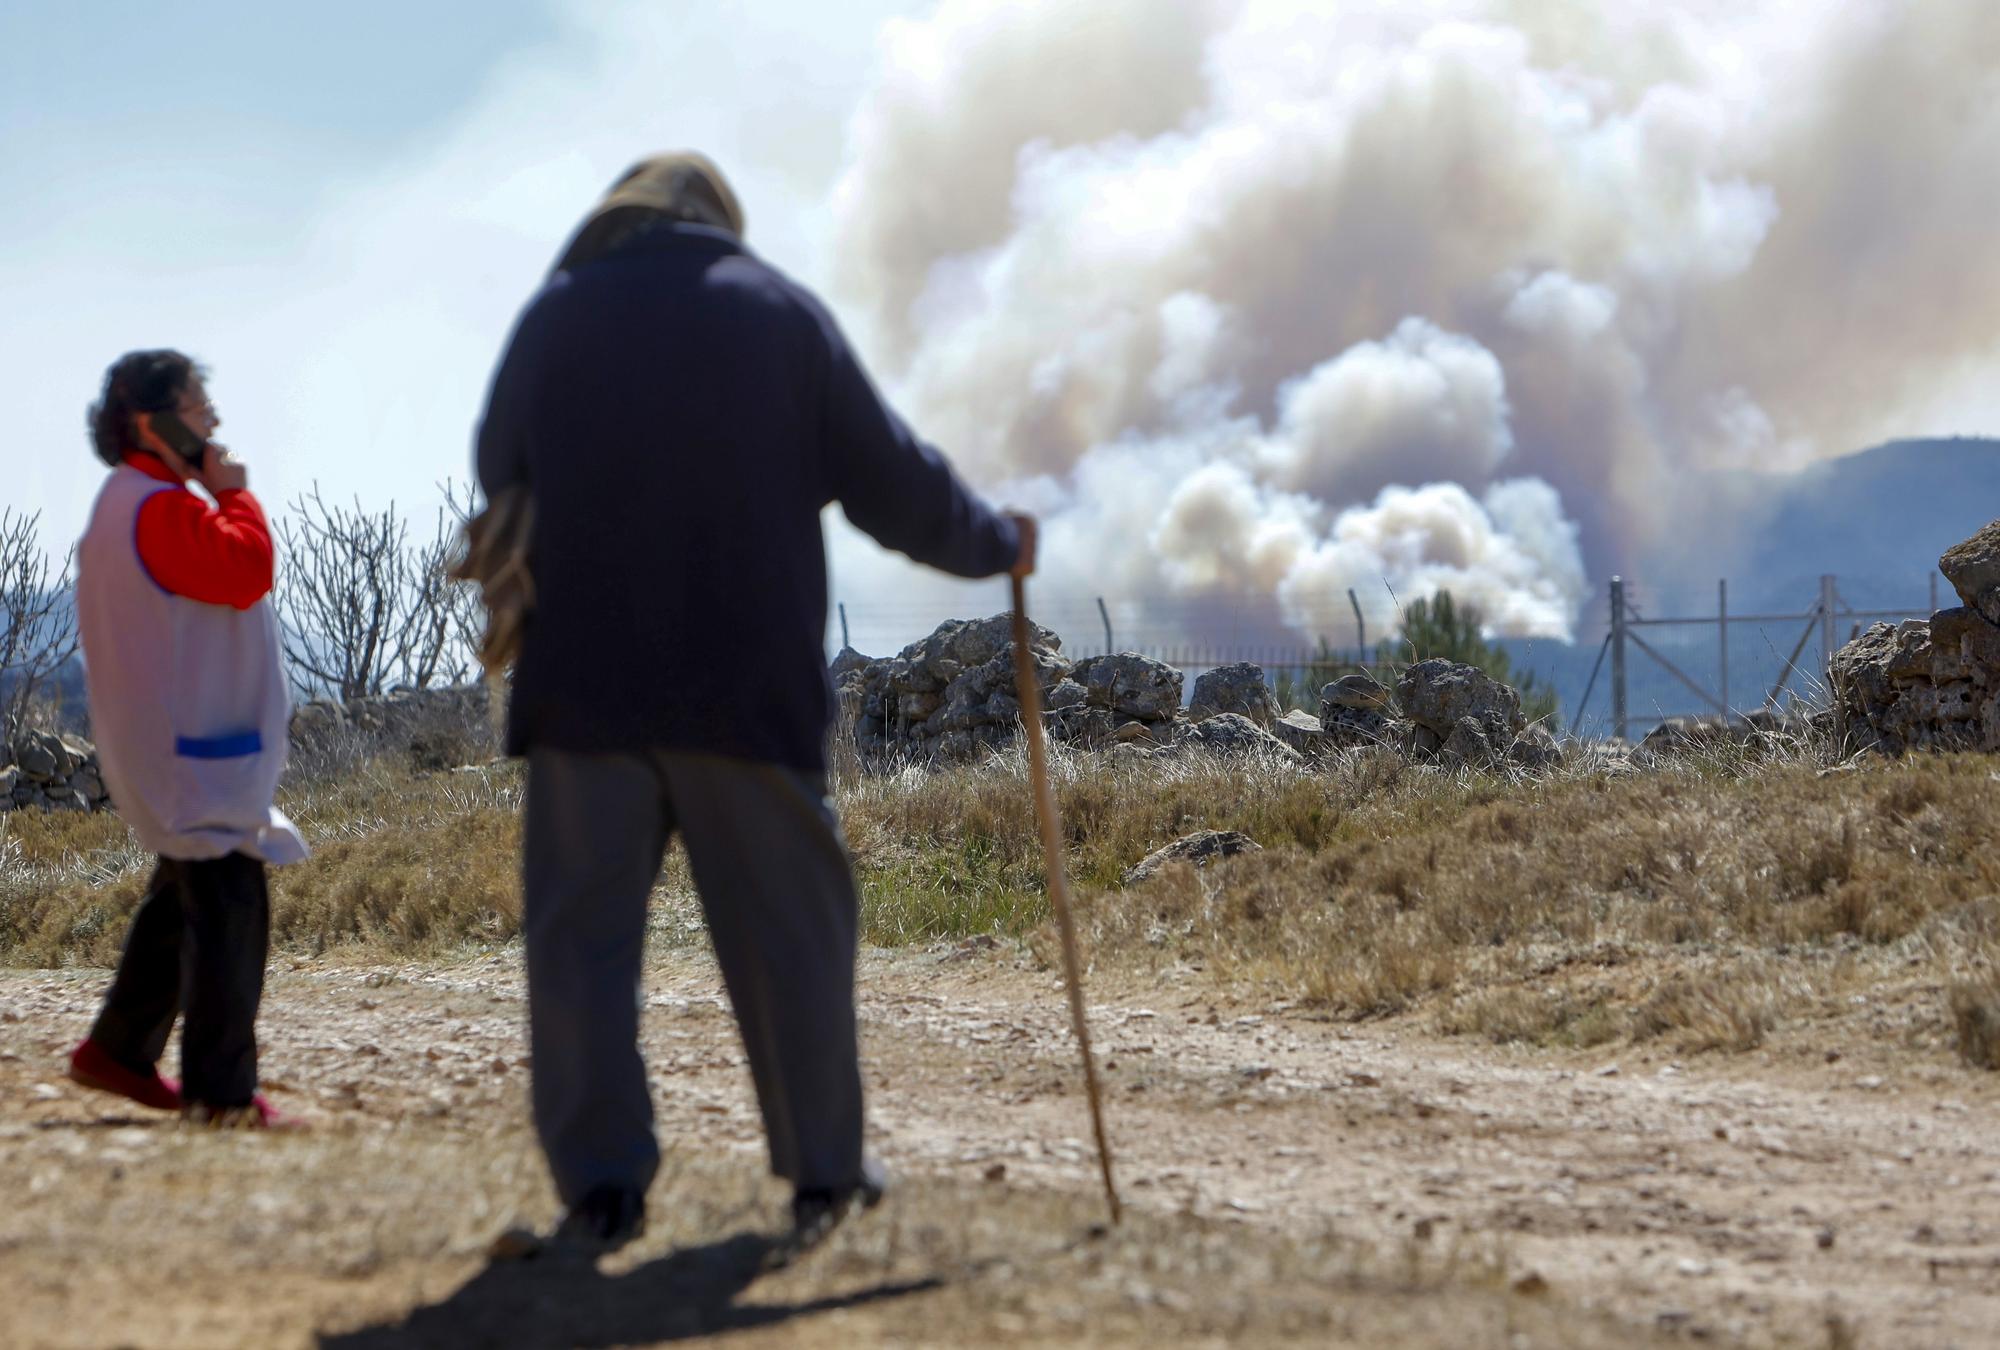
{"x": 1829, "y": 600}
{"x": 844, "y": 643}
{"x": 1105, "y": 615}
{"x": 1618, "y": 718}
{"x": 1360, "y": 625}
{"x": 1722, "y": 633}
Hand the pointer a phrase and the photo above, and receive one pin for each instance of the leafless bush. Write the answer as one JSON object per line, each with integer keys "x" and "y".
{"x": 363, "y": 608}
{"x": 37, "y": 616}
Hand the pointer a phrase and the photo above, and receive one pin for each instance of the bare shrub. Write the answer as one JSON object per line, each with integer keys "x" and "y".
{"x": 38, "y": 634}
{"x": 363, "y": 608}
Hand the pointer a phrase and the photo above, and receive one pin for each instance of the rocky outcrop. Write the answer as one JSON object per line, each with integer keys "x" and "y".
{"x": 1973, "y": 569}
{"x": 1199, "y": 848}
{"x": 41, "y": 770}
{"x": 947, "y": 694}
{"x": 1235, "y": 688}
{"x": 1929, "y": 684}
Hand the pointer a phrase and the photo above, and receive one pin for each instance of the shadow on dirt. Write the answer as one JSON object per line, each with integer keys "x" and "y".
{"x": 554, "y": 1303}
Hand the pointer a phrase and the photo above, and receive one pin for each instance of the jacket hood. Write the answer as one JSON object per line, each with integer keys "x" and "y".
{"x": 681, "y": 186}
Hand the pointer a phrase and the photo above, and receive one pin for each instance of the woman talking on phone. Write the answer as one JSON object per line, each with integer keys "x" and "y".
{"x": 189, "y": 708}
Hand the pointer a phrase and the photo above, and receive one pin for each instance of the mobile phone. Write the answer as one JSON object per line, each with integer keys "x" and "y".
{"x": 181, "y": 439}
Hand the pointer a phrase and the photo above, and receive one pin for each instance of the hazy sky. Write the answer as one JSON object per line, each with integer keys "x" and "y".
{"x": 340, "y": 208}
{"x": 1254, "y": 300}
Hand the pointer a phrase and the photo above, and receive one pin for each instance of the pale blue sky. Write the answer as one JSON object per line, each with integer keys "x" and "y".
{"x": 341, "y": 208}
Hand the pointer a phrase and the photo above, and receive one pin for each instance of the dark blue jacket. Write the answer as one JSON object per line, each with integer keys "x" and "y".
{"x": 681, "y": 412}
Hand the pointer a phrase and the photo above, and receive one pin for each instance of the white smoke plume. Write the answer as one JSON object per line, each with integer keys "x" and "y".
{"x": 1261, "y": 301}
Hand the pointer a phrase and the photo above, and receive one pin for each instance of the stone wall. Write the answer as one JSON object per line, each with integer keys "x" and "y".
{"x": 1929, "y": 684}
{"x": 950, "y": 697}
{"x": 51, "y": 772}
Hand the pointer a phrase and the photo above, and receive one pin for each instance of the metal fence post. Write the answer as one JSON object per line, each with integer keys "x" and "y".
{"x": 1722, "y": 646}
{"x": 1360, "y": 628}
{"x": 844, "y": 643}
{"x": 1828, "y": 601}
{"x": 1933, "y": 592}
{"x": 1618, "y": 657}
{"x": 1105, "y": 615}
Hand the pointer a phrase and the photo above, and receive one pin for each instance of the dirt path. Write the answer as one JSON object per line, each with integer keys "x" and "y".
{"x": 1731, "y": 1199}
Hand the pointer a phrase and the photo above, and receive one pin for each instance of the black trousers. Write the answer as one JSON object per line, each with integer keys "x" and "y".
{"x": 196, "y": 950}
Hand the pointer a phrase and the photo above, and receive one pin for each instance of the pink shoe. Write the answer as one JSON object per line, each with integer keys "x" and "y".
{"x": 93, "y": 1067}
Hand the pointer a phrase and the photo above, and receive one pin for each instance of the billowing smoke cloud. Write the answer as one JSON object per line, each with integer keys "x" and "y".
{"x": 1262, "y": 301}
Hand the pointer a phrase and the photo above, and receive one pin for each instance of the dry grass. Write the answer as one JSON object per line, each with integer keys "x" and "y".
{"x": 1707, "y": 901}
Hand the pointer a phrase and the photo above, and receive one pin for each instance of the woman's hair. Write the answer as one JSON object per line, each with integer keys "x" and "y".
{"x": 137, "y": 382}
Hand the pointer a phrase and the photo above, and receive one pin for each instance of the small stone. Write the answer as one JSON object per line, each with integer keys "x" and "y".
{"x": 1198, "y": 848}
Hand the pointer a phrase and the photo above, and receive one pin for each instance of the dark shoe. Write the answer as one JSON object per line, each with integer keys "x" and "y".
{"x": 603, "y": 1221}
{"x": 817, "y": 1211}
{"x": 91, "y": 1065}
{"x": 258, "y": 1115}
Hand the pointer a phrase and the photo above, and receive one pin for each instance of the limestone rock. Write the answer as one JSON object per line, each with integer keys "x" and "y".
{"x": 1232, "y": 734}
{"x": 1973, "y": 569}
{"x": 1359, "y": 692}
{"x": 1235, "y": 688}
{"x": 1535, "y": 749}
{"x": 1438, "y": 695}
{"x": 848, "y": 662}
{"x": 1301, "y": 731}
{"x": 1199, "y": 848}
{"x": 35, "y": 755}
{"x": 1129, "y": 683}
{"x": 1917, "y": 686}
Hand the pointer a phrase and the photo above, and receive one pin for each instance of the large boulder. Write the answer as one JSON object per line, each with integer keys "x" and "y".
{"x": 1235, "y": 688}
{"x": 1440, "y": 694}
{"x": 1459, "y": 712}
{"x": 1128, "y": 683}
{"x": 1973, "y": 569}
{"x": 950, "y": 695}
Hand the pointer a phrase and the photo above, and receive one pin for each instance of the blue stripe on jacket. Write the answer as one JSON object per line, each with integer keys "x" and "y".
{"x": 235, "y": 746}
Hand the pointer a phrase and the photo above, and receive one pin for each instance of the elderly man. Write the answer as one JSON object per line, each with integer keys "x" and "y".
{"x": 680, "y": 413}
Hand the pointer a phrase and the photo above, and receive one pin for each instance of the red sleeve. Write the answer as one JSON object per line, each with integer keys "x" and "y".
{"x": 219, "y": 555}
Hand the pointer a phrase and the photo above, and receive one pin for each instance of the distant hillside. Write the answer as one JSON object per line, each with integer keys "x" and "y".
{"x": 1877, "y": 519}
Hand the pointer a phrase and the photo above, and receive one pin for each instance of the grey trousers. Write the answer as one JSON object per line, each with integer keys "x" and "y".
{"x": 778, "y": 894}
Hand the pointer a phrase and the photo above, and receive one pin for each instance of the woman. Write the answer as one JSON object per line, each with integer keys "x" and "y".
{"x": 189, "y": 707}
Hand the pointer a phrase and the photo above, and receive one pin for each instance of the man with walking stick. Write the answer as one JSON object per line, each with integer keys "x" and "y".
{"x": 678, "y": 413}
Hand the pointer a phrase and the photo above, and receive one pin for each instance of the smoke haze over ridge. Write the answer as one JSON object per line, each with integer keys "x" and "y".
{"x": 1257, "y": 302}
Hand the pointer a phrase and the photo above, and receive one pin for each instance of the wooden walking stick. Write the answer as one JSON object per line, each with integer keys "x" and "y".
{"x": 1029, "y": 691}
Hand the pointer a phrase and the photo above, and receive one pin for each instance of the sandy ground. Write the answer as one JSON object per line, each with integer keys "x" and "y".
{"x": 1291, "y": 1179}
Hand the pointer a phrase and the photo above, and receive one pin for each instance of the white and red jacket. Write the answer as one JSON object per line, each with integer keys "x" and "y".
{"x": 181, "y": 658}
